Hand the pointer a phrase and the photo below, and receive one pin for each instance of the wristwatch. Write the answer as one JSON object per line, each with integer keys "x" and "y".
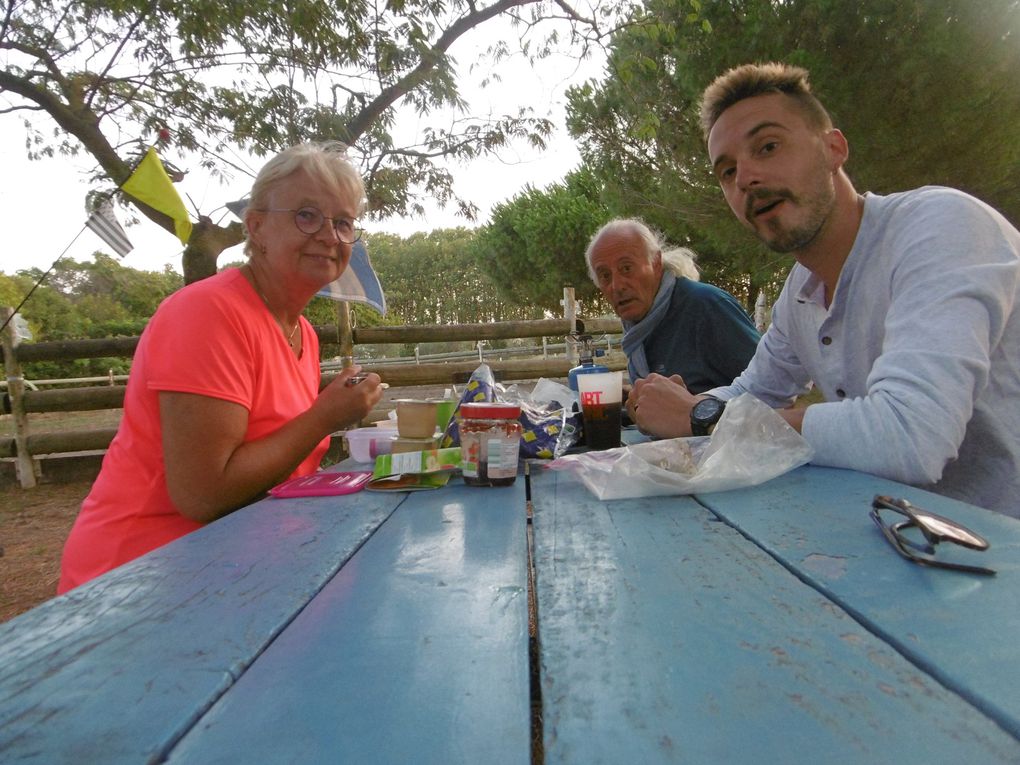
{"x": 705, "y": 414}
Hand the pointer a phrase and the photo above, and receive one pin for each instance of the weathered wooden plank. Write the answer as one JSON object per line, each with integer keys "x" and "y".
{"x": 60, "y": 350}
{"x": 416, "y": 652}
{"x": 60, "y": 443}
{"x": 117, "y": 670}
{"x": 960, "y": 627}
{"x": 328, "y": 333}
{"x": 75, "y": 399}
{"x": 399, "y": 375}
{"x": 667, "y": 636}
{"x": 416, "y": 333}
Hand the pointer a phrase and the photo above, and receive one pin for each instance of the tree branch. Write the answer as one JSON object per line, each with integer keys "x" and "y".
{"x": 88, "y": 96}
{"x": 429, "y": 60}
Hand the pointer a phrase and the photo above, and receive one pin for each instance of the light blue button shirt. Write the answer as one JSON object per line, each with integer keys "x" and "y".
{"x": 918, "y": 355}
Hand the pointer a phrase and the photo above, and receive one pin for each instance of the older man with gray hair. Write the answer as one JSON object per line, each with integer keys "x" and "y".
{"x": 673, "y": 323}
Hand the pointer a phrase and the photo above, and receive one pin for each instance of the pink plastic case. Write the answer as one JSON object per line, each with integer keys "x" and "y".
{"x": 322, "y": 484}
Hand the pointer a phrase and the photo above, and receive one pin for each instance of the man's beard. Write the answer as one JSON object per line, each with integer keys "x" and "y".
{"x": 818, "y": 207}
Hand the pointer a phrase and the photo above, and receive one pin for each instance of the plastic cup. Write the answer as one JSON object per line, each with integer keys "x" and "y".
{"x": 601, "y": 397}
{"x": 445, "y": 408}
{"x": 416, "y": 418}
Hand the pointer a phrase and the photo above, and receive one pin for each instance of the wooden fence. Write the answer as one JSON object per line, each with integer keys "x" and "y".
{"x": 26, "y": 447}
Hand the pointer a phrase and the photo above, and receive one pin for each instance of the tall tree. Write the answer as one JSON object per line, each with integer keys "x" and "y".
{"x": 925, "y": 91}
{"x": 533, "y": 245}
{"x": 259, "y": 76}
{"x": 435, "y": 278}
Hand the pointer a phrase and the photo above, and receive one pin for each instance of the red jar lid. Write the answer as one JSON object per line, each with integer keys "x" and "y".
{"x": 488, "y": 410}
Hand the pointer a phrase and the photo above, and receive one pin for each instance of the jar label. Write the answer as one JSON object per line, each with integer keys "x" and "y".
{"x": 502, "y": 454}
{"x": 470, "y": 454}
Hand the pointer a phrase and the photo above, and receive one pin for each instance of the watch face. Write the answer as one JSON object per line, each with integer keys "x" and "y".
{"x": 705, "y": 414}
{"x": 708, "y": 410}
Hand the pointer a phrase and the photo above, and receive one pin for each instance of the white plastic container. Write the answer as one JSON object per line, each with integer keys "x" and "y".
{"x": 365, "y": 444}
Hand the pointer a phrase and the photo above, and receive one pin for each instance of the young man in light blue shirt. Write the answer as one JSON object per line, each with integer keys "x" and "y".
{"x": 900, "y": 308}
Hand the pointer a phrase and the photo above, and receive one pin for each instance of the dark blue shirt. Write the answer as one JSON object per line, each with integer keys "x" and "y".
{"x": 706, "y": 337}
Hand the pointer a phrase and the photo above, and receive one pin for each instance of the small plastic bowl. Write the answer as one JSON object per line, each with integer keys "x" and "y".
{"x": 416, "y": 418}
{"x": 365, "y": 444}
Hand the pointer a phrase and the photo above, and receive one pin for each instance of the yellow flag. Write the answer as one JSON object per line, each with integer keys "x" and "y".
{"x": 149, "y": 183}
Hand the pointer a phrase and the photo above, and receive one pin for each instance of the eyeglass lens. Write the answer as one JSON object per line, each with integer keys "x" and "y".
{"x": 310, "y": 220}
{"x": 934, "y": 527}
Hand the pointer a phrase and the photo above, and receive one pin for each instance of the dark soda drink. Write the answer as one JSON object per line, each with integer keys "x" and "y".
{"x": 602, "y": 425}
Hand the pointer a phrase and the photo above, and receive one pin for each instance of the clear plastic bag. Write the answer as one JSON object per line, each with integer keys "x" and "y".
{"x": 751, "y": 444}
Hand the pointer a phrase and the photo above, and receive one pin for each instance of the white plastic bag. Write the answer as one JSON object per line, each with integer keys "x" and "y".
{"x": 751, "y": 444}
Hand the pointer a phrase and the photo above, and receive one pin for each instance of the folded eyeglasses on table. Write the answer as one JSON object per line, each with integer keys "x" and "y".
{"x": 933, "y": 529}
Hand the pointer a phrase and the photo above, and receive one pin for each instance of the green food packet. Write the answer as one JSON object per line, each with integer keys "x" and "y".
{"x": 409, "y": 471}
{"x": 431, "y": 461}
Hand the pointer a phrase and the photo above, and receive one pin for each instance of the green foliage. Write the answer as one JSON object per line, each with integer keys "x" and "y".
{"x": 534, "y": 245}
{"x": 81, "y": 300}
{"x": 435, "y": 278}
{"x": 925, "y": 91}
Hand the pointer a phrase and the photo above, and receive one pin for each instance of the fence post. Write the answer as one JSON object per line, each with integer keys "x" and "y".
{"x": 570, "y": 314}
{"x": 545, "y": 348}
{"x": 25, "y": 466}
{"x": 759, "y": 311}
{"x": 345, "y": 332}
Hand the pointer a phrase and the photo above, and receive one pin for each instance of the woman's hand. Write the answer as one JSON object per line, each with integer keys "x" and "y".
{"x": 348, "y": 398}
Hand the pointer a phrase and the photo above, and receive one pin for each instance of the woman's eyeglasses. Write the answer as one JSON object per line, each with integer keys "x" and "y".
{"x": 310, "y": 220}
{"x": 933, "y": 529}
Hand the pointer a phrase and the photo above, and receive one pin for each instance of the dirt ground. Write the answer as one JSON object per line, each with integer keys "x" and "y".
{"x": 33, "y": 526}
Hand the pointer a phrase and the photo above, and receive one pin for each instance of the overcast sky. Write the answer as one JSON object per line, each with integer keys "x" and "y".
{"x": 42, "y": 203}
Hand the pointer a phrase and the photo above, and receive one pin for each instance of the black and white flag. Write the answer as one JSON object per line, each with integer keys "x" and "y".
{"x": 105, "y": 224}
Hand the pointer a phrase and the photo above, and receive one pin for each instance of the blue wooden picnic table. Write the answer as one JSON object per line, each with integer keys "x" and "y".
{"x": 771, "y": 624}
{"x": 374, "y": 627}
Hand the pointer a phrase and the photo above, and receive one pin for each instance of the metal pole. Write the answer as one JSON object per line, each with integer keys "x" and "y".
{"x": 345, "y": 332}
{"x": 759, "y": 311}
{"x": 570, "y": 314}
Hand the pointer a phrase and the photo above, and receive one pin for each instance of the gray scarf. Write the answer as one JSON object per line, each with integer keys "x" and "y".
{"x": 635, "y": 332}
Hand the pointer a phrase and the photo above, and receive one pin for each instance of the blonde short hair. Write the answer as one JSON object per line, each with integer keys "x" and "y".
{"x": 752, "y": 80}
{"x": 326, "y": 162}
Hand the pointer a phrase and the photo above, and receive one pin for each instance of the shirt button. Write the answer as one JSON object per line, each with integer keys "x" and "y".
{"x": 840, "y": 392}
{"x": 826, "y": 340}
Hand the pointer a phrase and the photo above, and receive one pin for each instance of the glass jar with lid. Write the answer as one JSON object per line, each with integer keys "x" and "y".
{"x": 490, "y": 439}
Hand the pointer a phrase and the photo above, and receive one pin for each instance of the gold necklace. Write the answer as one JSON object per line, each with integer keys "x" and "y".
{"x": 283, "y": 328}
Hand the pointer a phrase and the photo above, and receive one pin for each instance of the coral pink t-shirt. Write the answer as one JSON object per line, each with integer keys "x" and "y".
{"x": 214, "y": 338}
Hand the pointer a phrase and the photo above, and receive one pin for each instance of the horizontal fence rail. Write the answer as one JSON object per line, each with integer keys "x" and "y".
{"x": 553, "y": 360}
{"x": 121, "y": 347}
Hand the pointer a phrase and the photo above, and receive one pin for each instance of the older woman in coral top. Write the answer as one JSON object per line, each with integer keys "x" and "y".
{"x": 223, "y": 400}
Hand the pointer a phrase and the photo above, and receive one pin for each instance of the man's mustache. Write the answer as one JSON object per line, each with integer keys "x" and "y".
{"x": 759, "y": 195}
